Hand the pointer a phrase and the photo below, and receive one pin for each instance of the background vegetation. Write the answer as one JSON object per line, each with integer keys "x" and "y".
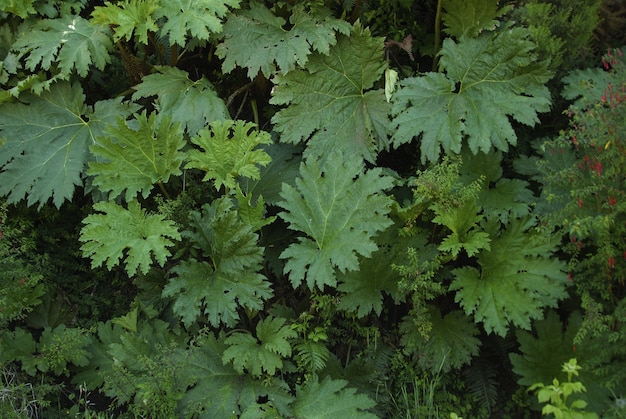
{"x": 230, "y": 208}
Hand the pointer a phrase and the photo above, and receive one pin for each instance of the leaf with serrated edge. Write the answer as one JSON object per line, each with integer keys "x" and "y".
{"x": 134, "y": 159}
{"x": 329, "y": 103}
{"x": 256, "y": 39}
{"x": 331, "y": 399}
{"x": 47, "y": 142}
{"x": 115, "y": 233}
{"x": 192, "y": 103}
{"x": 516, "y": 281}
{"x": 247, "y": 353}
{"x": 128, "y": 17}
{"x": 69, "y": 41}
{"x": 228, "y": 150}
{"x": 339, "y": 208}
{"x": 198, "y": 19}
{"x": 230, "y": 280}
{"x": 487, "y": 80}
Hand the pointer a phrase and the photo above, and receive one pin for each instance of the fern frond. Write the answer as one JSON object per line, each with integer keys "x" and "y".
{"x": 482, "y": 384}
{"x": 311, "y": 355}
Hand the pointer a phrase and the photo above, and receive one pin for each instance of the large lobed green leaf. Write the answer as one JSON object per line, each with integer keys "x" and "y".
{"x": 339, "y": 208}
{"x": 228, "y": 278}
{"x": 128, "y": 18}
{"x": 487, "y": 80}
{"x": 134, "y": 159}
{"x": 331, "y": 399}
{"x": 258, "y": 40}
{"x": 192, "y": 103}
{"x": 198, "y": 19}
{"x": 47, "y": 142}
{"x": 247, "y": 353}
{"x": 115, "y": 233}
{"x": 517, "y": 279}
{"x": 228, "y": 150}
{"x": 329, "y": 103}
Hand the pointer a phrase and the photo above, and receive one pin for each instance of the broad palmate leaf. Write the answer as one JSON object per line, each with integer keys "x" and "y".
{"x": 247, "y": 353}
{"x": 70, "y": 43}
{"x": 487, "y": 80}
{"x": 47, "y": 142}
{"x": 116, "y": 232}
{"x": 227, "y": 277}
{"x": 257, "y": 39}
{"x": 198, "y": 18}
{"x": 134, "y": 159}
{"x": 517, "y": 279}
{"x": 128, "y": 17}
{"x": 192, "y": 103}
{"x": 229, "y": 150}
{"x": 340, "y": 208}
{"x": 328, "y": 102}
{"x": 470, "y": 17}
{"x": 221, "y": 392}
{"x": 331, "y": 399}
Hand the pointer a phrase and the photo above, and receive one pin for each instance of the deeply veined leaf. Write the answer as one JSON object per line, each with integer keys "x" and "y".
{"x": 517, "y": 279}
{"x": 128, "y": 17}
{"x": 192, "y": 103}
{"x": 487, "y": 80}
{"x": 47, "y": 142}
{"x": 470, "y": 17}
{"x": 247, "y": 353}
{"x": 331, "y": 399}
{"x": 219, "y": 391}
{"x": 198, "y": 19}
{"x": 339, "y": 208}
{"x": 462, "y": 221}
{"x": 452, "y": 341}
{"x": 70, "y": 43}
{"x": 21, "y": 8}
{"x": 228, "y": 150}
{"x": 258, "y": 40}
{"x": 229, "y": 278}
{"x": 329, "y": 103}
{"x": 117, "y": 233}
{"x": 134, "y": 159}
{"x": 363, "y": 291}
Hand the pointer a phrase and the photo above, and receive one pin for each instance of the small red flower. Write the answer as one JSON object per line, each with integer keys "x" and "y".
{"x": 612, "y": 200}
{"x": 580, "y": 203}
{"x": 611, "y": 262}
{"x": 569, "y": 277}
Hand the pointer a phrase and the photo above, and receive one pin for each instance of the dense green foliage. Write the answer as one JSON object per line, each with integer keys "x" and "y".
{"x": 311, "y": 209}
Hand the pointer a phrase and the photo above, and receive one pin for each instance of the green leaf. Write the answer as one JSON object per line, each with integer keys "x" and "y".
{"x": 68, "y": 43}
{"x": 128, "y": 321}
{"x": 257, "y": 39}
{"x": 330, "y": 106}
{"x": 128, "y": 17}
{"x": 509, "y": 198}
{"x": 132, "y": 234}
{"x": 339, "y": 208}
{"x": 21, "y": 8}
{"x": 543, "y": 351}
{"x": 487, "y": 80}
{"x": 331, "y": 399}
{"x": 192, "y": 103}
{"x": 363, "y": 290}
{"x": 227, "y": 151}
{"x": 47, "y": 142}
{"x": 220, "y": 392}
{"x": 451, "y": 344}
{"x": 470, "y": 17}
{"x": 247, "y": 353}
{"x": 516, "y": 280}
{"x": 197, "y": 19}
{"x": 134, "y": 159}
{"x": 462, "y": 221}
{"x": 229, "y": 278}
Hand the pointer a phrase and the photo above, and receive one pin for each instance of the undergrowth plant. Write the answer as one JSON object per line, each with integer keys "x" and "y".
{"x": 230, "y": 208}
